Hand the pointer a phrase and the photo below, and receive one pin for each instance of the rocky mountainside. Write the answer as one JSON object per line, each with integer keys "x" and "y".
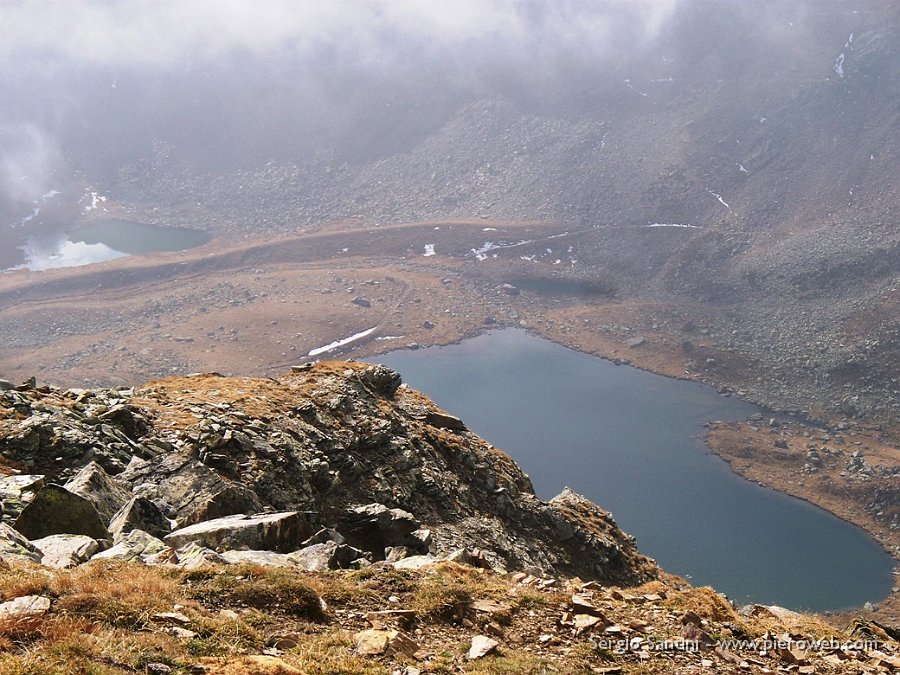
{"x": 338, "y": 460}
{"x": 335, "y": 521}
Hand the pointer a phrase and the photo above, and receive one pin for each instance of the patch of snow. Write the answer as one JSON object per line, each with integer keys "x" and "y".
{"x": 429, "y": 250}
{"x": 488, "y": 246}
{"x": 631, "y": 86}
{"x": 95, "y": 200}
{"x": 488, "y": 229}
{"x": 481, "y": 251}
{"x": 390, "y": 337}
{"x": 682, "y": 225}
{"x": 839, "y": 65}
{"x": 664, "y": 79}
{"x": 340, "y": 343}
{"x": 763, "y": 120}
{"x": 529, "y": 258}
{"x": 741, "y": 168}
{"x": 50, "y": 195}
{"x": 719, "y": 197}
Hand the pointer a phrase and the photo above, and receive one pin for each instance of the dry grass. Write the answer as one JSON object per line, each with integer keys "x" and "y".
{"x": 275, "y": 590}
{"x": 705, "y": 603}
{"x": 446, "y": 592}
{"x": 116, "y": 594}
{"x": 103, "y": 620}
{"x": 103, "y": 616}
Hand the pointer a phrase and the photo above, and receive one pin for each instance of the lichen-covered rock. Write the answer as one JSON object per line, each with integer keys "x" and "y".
{"x": 192, "y": 555}
{"x": 15, "y": 547}
{"x": 55, "y": 510}
{"x": 138, "y": 545}
{"x": 16, "y": 492}
{"x": 139, "y": 514}
{"x": 381, "y": 379}
{"x": 265, "y": 558}
{"x": 327, "y": 555}
{"x": 196, "y": 491}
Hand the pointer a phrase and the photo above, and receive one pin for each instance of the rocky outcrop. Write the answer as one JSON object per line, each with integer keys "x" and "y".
{"x": 332, "y": 466}
{"x": 95, "y": 485}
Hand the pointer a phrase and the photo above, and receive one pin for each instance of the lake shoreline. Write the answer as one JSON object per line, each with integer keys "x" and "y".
{"x": 688, "y": 482}
{"x": 887, "y": 609}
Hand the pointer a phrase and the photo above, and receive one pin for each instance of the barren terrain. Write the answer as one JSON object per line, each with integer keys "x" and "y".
{"x": 258, "y": 308}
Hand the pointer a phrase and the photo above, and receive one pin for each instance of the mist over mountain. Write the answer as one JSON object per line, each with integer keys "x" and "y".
{"x": 767, "y": 131}
{"x": 93, "y": 86}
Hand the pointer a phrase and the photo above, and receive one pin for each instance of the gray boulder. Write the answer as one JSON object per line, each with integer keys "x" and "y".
{"x": 192, "y": 556}
{"x": 328, "y": 555}
{"x": 315, "y": 558}
{"x": 266, "y": 558}
{"x": 374, "y": 527}
{"x": 25, "y": 607}
{"x": 140, "y": 546}
{"x": 66, "y": 550}
{"x": 95, "y": 485}
{"x": 280, "y": 532}
{"x": 15, "y": 547}
{"x": 139, "y": 514}
{"x": 196, "y": 491}
{"x": 415, "y": 562}
{"x": 55, "y": 510}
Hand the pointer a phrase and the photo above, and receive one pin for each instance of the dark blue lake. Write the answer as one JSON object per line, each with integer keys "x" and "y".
{"x": 631, "y": 441}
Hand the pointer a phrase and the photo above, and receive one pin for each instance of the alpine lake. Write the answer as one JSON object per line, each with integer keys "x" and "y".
{"x": 631, "y": 441}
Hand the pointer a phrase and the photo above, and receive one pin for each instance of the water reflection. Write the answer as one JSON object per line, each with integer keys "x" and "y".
{"x": 100, "y": 241}
{"x": 45, "y": 253}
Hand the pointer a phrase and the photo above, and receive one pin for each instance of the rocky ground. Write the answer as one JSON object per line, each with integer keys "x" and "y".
{"x": 332, "y": 520}
{"x": 339, "y": 446}
{"x": 260, "y": 308}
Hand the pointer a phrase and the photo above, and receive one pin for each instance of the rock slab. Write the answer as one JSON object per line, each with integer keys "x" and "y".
{"x": 282, "y": 532}
{"x": 66, "y": 550}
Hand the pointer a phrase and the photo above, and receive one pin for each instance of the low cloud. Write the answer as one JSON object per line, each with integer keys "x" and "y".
{"x": 28, "y": 159}
{"x": 151, "y": 32}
